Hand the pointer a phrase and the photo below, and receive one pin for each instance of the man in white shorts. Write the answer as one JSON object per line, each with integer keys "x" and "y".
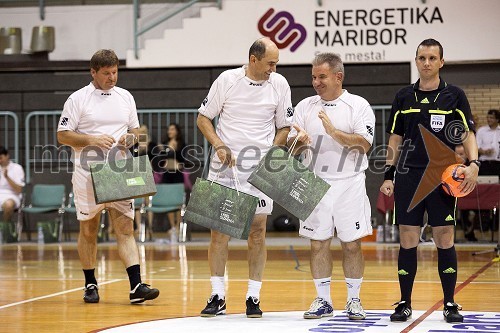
{"x": 252, "y": 102}
{"x": 11, "y": 184}
{"x": 334, "y": 130}
{"x": 96, "y": 121}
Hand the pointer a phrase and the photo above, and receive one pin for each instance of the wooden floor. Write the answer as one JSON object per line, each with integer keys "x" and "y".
{"x": 41, "y": 285}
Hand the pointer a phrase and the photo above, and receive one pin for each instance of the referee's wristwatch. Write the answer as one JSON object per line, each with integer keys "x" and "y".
{"x": 476, "y": 162}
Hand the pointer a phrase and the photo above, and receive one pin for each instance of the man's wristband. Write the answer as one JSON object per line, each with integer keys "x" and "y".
{"x": 476, "y": 162}
{"x": 389, "y": 171}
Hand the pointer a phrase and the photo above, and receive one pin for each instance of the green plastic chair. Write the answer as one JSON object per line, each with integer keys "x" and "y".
{"x": 168, "y": 198}
{"x": 45, "y": 199}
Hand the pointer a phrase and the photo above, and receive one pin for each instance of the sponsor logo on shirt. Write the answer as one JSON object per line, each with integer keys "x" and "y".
{"x": 64, "y": 121}
{"x": 329, "y": 104}
{"x": 289, "y": 112}
{"x": 369, "y": 129}
{"x": 105, "y": 94}
{"x": 437, "y": 122}
{"x": 205, "y": 101}
{"x": 256, "y": 84}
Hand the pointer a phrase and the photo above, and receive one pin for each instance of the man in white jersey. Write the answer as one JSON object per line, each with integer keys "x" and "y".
{"x": 101, "y": 120}
{"x": 334, "y": 130}
{"x": 252, "y": 102}
{"x": 11, "y": 184}
{"x": 488, "y": 143}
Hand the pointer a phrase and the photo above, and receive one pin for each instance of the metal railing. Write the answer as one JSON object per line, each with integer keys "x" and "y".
{"x": 41, "y": 5}
{"x": 42, "y": 148}
{"x": 9, "y": 122}
{"x": 137, "y": 15}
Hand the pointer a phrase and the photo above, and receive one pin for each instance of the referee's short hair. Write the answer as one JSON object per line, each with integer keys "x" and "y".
{"x": 431, "y": 42}
{"x": 103, "y": 58}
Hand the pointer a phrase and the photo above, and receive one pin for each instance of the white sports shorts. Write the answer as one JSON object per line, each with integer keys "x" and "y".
{"x": 344, "y": 208}
{"x": 225, "y": 176}
{"x": 86, "y": 207}
{"x": 13, "y": 197}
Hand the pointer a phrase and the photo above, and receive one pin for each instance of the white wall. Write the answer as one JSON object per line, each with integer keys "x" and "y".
{"x": 81, "y": 30}
{"x": 467, "y": 29}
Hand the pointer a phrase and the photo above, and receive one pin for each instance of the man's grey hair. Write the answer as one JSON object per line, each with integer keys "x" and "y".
{"x": 332, "y": 59}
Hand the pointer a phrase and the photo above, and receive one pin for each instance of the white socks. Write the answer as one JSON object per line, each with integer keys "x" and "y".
{"x": 254, "y": 289}
{"x": 218, "y": 287}
{"x": 323, "y": 288}
{"x": 353, "y": 287}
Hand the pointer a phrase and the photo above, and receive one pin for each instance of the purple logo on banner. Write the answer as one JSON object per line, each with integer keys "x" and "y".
{"x": 282, "y": 29}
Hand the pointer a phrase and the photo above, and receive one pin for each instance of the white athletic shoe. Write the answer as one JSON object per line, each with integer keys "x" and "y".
{"x": 355, "y": 310}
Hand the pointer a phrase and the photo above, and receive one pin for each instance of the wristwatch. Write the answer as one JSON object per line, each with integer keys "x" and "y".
{"x": 476, "y": 162}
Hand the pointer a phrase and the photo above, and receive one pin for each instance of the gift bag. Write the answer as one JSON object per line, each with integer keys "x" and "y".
{"x": 221, "y": 208}
{"x": 122, "y": 179}
{"x": 289, "y": 182}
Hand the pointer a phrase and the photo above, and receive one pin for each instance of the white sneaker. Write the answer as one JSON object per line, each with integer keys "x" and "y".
{"x": 319, "y": 308}
{"x": 355, "y": 310}
{"x": 174, "y": 236}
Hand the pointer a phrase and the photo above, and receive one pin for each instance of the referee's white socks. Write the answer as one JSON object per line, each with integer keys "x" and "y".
{"x": 218, "y": 286}
{"x": 353, "y": 288}
{"x": 254, "y": 289}
{"x": 323, "y": 288}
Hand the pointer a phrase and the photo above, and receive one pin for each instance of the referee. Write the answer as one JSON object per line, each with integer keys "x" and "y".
{"x": 440, "y": 108}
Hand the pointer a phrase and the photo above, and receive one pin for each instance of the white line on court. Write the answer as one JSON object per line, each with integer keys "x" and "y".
{"x": 239, "y": 280}
{"x": 51, "y": 295}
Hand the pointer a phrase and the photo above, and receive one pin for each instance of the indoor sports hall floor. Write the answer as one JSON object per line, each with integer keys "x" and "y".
{"x": 41, "y": 290}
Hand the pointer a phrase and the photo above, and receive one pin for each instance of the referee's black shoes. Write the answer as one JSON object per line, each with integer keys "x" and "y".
{"x": 91, "y": 295}
{"x": 253, "y": 307}
{"x": 451, "y": 314}
{"x": 215, "y": 306}
{"x": 402, "y": 312}
{"x": 142, "y": 293}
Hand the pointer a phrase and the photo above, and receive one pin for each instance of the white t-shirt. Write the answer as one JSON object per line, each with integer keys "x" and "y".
{"x": 249, "y": 112}
{"x": 95, "y": 112}
{"x": 488, "y": 138}
{"x": 16, "y": 173}
{"x": 325, "y": 156}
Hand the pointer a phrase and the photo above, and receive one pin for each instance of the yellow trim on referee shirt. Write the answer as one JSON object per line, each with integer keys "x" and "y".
{"x": 441, "y": 111}
{"x": 463, "y": 119}
{"x": 410, "y": 111}
{"x": 394, "y": 122}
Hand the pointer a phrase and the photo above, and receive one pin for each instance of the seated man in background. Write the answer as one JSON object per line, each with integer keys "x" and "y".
{"x": 11, "y": 184}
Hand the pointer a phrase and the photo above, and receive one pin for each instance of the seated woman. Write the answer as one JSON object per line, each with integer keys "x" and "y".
{"x": 173, "y": 163}
{"x": 173, "y": 160}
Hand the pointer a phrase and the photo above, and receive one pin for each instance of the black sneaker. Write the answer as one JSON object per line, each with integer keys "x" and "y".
{"x": 253, "y": 309}
{"x": 91, "y": 295}
{"x": 215, "y": 306}
{"x": 402, "y": 312}
{"x": 451, "y": 314}
{"x": 142, "y": 293}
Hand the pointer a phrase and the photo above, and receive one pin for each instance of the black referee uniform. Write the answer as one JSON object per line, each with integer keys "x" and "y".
{"x": 446, "y": 113}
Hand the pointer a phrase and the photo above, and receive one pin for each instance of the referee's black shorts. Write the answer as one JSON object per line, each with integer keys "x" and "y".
{"x": 440, "y": 206}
